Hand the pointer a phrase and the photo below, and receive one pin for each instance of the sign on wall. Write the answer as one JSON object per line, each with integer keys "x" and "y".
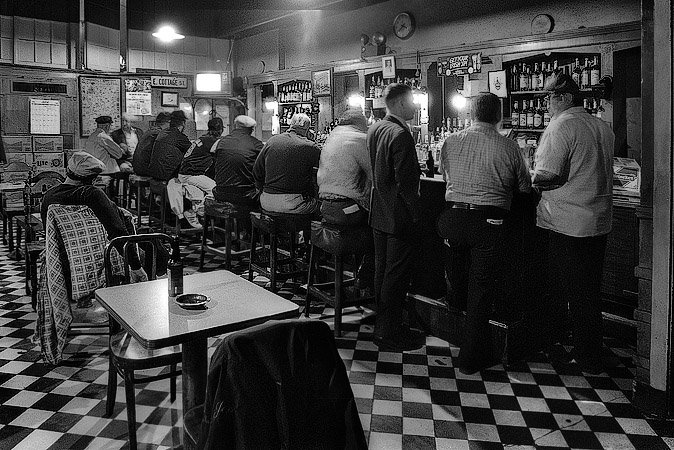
{"x": 99, "y": 97}
{"x": 169, "y": 82}
{"x": 138, "y": 97}
{"x": 45, "y": 116}
{"x": 460, "y": 65}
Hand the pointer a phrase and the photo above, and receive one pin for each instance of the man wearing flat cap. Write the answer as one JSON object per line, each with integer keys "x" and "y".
{"x": 235, "y": 156}
{"x": 77, "y": 189}
{"x": 100, "y": 145}
{"x": 574, "y": 173}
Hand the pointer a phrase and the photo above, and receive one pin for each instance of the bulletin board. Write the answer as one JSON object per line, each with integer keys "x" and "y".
{"x": 99, "y": 97}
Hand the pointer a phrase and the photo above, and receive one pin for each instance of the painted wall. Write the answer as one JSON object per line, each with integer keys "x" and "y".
{"x": 440, "y": 23}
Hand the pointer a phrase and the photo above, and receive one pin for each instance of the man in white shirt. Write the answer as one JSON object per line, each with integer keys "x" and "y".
{"x": 127, "y": 138}
{"x": 100, "y": 145}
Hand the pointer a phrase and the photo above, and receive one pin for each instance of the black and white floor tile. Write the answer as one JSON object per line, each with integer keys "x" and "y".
{"x": 414, "y": 400}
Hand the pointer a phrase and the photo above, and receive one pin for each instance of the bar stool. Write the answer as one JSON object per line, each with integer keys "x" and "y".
{"x": 231, "y": 214}
{"x": 267, "y": 262}
{"x": 120, "y": 181}
{"x": 137, "y": 184}
{"x": 158, "y": 189}
{"x": 338, "y": 242}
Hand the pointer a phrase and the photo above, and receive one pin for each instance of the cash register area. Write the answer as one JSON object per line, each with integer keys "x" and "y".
{"x": 414, "y": 400}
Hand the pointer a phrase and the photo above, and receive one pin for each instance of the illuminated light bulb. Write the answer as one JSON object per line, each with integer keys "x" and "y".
{"x": 167, "y": 34}
{"x": 459, "y": 101}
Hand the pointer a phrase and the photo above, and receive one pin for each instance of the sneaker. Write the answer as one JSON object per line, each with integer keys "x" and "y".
{"x": 191, "y": 218}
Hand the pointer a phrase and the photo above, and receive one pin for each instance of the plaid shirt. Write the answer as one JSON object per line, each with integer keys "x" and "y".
{"x": 482, "y": 167}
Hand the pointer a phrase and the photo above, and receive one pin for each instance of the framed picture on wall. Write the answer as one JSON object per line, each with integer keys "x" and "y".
{"x": 169, "y": 99}
{"x": 321, "y": 82}
{"x": 388, "y": 66}
{"x": 497, "y": 83}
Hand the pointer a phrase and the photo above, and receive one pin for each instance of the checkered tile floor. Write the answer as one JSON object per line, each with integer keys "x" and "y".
{"x": 414, "y": 400}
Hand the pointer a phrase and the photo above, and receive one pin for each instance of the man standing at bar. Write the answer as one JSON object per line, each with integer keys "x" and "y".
{"x": 574, "y": 171}
{"x": 394, "y": 216}
{"x": 482, "y": 170}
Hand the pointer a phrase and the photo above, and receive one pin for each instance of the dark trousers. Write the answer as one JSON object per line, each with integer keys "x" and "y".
{"x": 393, "y": 261}
{"x": 478, "y": 239}
{"x": 576, "y": 266}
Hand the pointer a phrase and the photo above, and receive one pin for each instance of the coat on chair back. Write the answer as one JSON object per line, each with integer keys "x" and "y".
{"x": 280, "y": 385}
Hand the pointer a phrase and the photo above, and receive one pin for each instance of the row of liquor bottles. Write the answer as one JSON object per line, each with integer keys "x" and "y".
{"x": 524, "y": 77}
{"x": 295, "y": 91}
{"x": 534, "y": 114}
{"x": 378, "y": 84}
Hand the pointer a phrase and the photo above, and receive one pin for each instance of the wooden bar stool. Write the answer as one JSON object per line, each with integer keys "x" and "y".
{"x": 340, "y": 243}
{"x": 119, "y": 188}
{"x": 269, "y": 260}
{"x": 232, "y": 215}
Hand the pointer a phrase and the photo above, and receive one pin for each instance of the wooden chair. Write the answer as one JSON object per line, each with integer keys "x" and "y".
{"x": 127, "y": 355}
{"x": 31, "y": 225}
{"x": 15, "y": 172}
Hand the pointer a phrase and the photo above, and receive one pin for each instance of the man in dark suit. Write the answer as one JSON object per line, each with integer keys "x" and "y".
{"x": 394, "y": 211}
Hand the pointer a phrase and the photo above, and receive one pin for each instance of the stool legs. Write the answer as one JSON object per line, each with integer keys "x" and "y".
{"x": 273, "y": 244}
{"x": 253, "y": 245}
{"x": 339, "y": 277}
{"x": 310, "y": 280}
{"x": 228, "y": 243}
{"x": 203, "y": 240}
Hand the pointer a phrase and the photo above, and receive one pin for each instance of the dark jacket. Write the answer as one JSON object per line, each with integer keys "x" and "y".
{"x": 141, "y": 157}
{"x": 285, "y": 164}
{"x": 235, "y": 156}
{"x": 199, "y": 160}
{"x": 394, "y": 205}
{"x": 280, "y": 385}
{"x": 167, "y": 154}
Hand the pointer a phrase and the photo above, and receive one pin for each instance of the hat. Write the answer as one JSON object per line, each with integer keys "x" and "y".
{"x": 561, "y": 84}
{"x": 178, "y": 115}
{"x": 84, "y": 165}
{"x": 244, "y": 121}
{"x": 163, "y": 117}
{"x": 103, "y": 119}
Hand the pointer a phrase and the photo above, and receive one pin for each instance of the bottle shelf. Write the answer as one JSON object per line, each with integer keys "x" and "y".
{"x": 535, "y": 130}
{"x": 529, "y": 92}
{"x": 296, "y": 103}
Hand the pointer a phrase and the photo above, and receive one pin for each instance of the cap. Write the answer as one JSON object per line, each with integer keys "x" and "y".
{"x": 163, "y": 117}
{"x": 244, "y": 121}
{"x": 83, "y": 164}
{"x": 562, "y": 83}
{"x": 103, "y": 119}
{"x": 178, "y": 115}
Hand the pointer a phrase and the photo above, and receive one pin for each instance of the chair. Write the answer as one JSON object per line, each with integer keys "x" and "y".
{"x": 232, "y": 215}
{"x": 127, "y": 355}
{"x": 31, "y": 224}
{"x": 269, "y": 261}
{"x": 10, "y": 203}
{"x": 338, "y": 242}
{"x": 278, "y": 385}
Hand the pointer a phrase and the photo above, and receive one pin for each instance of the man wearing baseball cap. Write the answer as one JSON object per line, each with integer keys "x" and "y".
{"x": 77, "y": 189}
{"x": 100, "y": 145}
{"x": 574, "y": 173}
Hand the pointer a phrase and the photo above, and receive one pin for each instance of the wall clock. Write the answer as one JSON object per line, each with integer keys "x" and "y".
{"x": 541, "y": 24}
{"x": 404, "y": 25}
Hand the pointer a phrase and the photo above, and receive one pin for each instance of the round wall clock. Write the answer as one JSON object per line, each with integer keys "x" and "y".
{"x": 542, "y": 24}
{"x": 404, "y": 25}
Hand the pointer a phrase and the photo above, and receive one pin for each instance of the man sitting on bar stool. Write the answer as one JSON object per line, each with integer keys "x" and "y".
{"x": 77, "y": 189}
{"x": 283, "y": 170}
{"x": 101, "y": 146}
{"x": 345, "y": 180}
{"x": 482, "y": 169}
{"x": 127, "y": 138}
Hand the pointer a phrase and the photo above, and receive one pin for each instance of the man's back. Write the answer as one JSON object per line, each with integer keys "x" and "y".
{"x": 141, "y": 157}
{"x": 235, "y": 157}
{"x": 169, "y": 148}
{"x": 285, "y": 165}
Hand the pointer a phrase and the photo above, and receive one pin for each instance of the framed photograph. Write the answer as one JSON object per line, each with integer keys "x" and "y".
{"x": 388, "y": 66}
{"x": 497, "y": 83}
{"x": 321, "y": 82}
{"x": 169, "y": 99}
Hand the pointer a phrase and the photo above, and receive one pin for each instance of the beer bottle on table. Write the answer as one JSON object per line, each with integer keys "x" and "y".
{"x": 175, "y": 271}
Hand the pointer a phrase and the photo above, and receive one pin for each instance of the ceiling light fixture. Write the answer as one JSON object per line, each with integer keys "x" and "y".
{"x": 167, "y": 34}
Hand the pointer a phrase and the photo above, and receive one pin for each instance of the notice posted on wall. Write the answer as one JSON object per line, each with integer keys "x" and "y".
{"x": 45, "y": 116}
{"x": 139, "y": 103}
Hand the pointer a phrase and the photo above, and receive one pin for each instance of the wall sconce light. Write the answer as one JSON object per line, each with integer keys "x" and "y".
{"x": 459, "y": 101}
{"x": 357, "y": 101}
{"x": 374, "y": 46}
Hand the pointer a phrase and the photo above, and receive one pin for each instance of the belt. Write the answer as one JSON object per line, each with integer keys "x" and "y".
{"x": 461, "y": 205}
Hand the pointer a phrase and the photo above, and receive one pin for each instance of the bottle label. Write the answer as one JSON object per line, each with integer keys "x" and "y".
{"x": 523, "y": 120}
{"x": 538, "y": 120}
{"x": 594, "y": 77}
{"x": 175, "y": 280}
{"x": 546, "y": 119}
{"x": 530, "y": 120}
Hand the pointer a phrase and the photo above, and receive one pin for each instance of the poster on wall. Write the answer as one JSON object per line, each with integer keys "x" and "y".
{"x": 497, "y": 83}
{"x": 138, "y": 97}
{"x": 99, "y": 97}
{"x": 460, "y": 65}
{"x": 45, "y": 116}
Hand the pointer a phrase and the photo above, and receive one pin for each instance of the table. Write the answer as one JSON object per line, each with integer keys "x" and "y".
{"x": 147, "y": 312}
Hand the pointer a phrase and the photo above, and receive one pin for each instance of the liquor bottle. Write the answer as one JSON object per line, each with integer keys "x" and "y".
{"x": 577, "y": 72}
{"x": 514, "y": 79}
{"x": 534, "y": 78}
{"x": 555, "y": 67}
{"x": 524, "y": 78}
{"x": 594, "y": 72}
{"x": 430, "y": 165}
{"x": 586, "y": 104}
{"x": 371, "y": 88}
{"x": 530, "y": 114}
{"x": 175, "y": 271}
{"x": 593, "y": 109}
{"x": 538, "y": 116}
{"x": 600, "y": 109}
{"x": 515, "y": 116}
{"x": 585, "y": 75}
{"x": 523, "y": 115}
{"x": 541, "y": 77}
{"x": 546, "y": 116}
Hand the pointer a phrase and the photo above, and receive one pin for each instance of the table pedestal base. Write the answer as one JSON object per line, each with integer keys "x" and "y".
{"x": 195, "y": 375}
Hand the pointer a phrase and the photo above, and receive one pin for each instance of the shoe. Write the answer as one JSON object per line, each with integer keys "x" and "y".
{"x": 557, "y": 353}
{"x": 405, "y": 341}
{"x": 191, "y": 218}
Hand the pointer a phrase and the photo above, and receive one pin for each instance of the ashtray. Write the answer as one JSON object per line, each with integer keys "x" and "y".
{"x": 192, "y": 301}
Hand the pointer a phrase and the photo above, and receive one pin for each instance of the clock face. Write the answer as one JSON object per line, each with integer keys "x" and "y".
{"x": 404, "y": 26}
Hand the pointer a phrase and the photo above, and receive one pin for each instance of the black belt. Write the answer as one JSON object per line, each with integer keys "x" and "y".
{"x": 461, "y": 205}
